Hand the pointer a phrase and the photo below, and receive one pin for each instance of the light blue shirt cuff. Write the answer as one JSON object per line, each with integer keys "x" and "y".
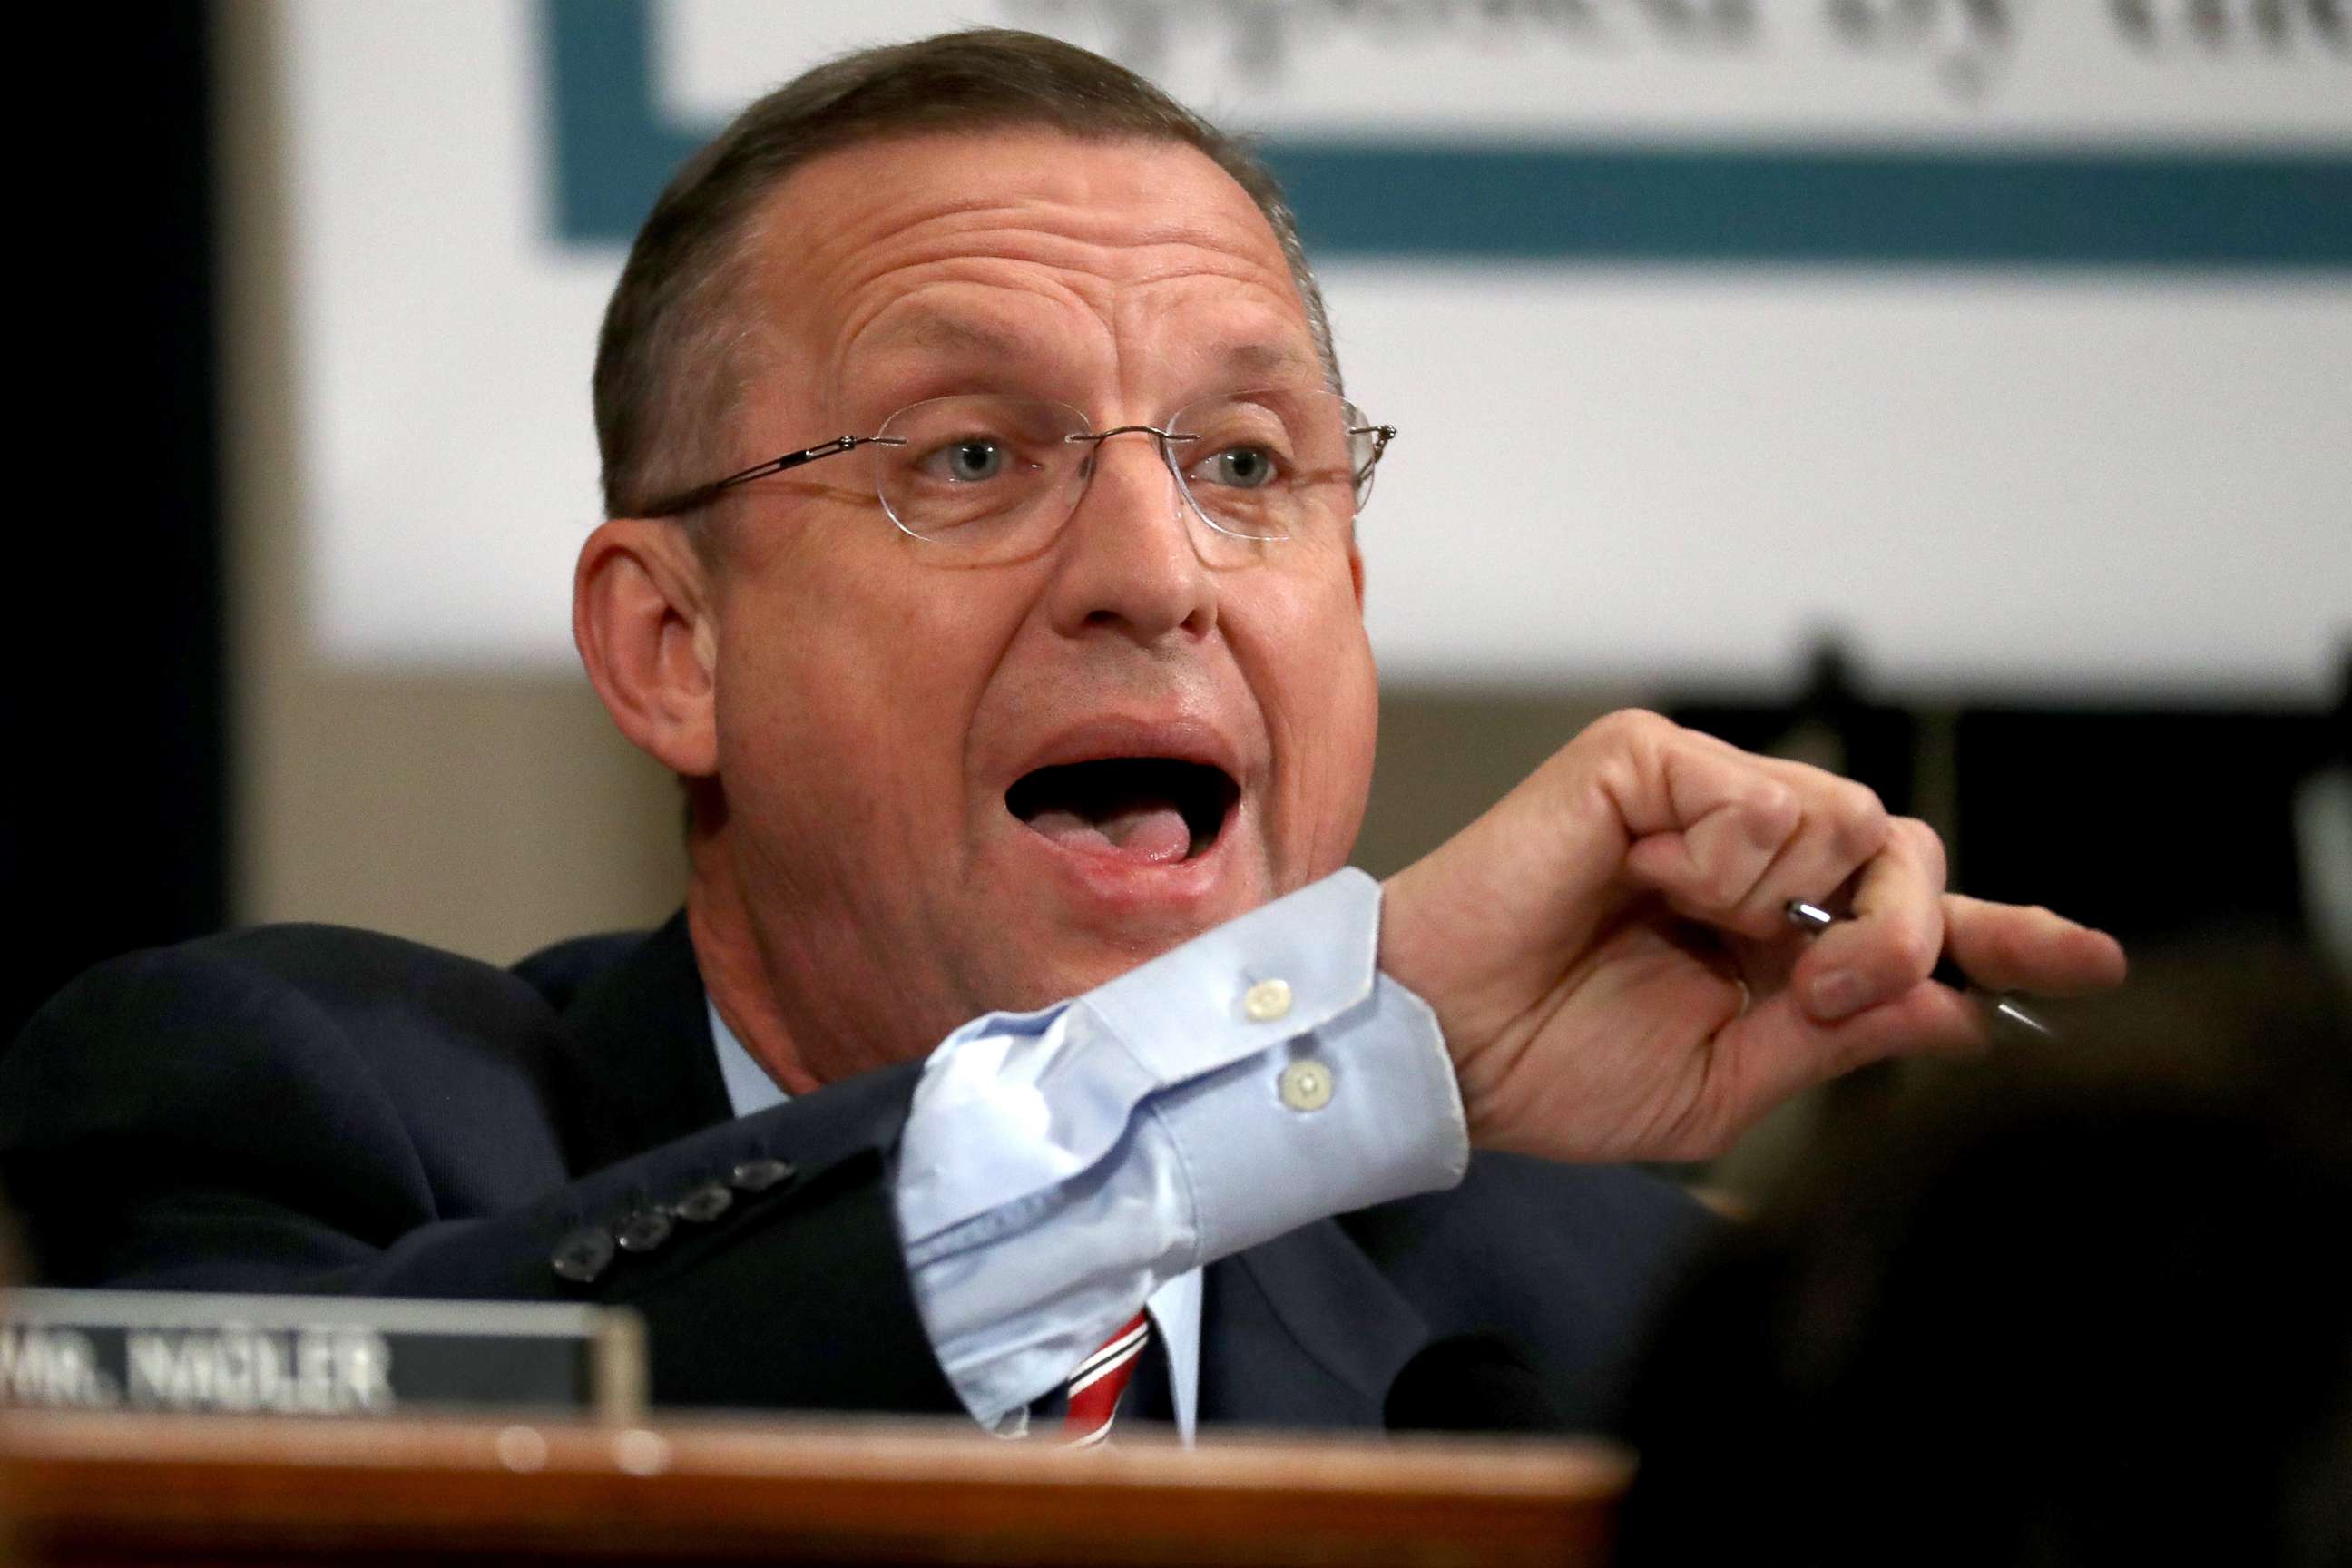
{"x": 1059, "y": 1167}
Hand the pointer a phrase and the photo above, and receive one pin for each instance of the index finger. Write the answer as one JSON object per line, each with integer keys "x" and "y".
{"x": 2020, "y": 947}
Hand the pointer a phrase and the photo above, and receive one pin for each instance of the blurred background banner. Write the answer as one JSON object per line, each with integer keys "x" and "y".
{"x": 2008, "y": 339}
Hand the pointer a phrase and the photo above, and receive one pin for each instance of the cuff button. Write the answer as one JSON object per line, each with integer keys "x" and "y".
{"x": 1266, "y": 1001}
{"x": 1306, "y": 1086}
{"x": 642, "y": 1231}
{"x": 759, "y": 1175}
{"x": 703, "y": 1204}
{"x": 581, "y": 1257}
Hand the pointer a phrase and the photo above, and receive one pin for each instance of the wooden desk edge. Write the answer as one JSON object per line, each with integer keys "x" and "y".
{"x": 91, "y": 1487}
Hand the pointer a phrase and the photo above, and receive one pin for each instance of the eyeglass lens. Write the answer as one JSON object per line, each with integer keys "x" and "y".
{"x": 1001, "y": 474}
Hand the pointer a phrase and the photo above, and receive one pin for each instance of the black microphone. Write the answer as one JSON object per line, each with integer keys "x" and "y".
{"x": 1470, "y": 1383}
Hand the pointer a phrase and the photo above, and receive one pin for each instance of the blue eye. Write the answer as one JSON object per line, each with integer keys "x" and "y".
{"x": 968, "y": 461}
{"x": 1239, "y": 468}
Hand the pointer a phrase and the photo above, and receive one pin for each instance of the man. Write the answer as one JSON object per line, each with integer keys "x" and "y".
{"x": 1033, "y": 671}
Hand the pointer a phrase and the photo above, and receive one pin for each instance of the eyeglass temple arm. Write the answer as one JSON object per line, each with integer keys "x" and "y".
{"x": 1381, "y": 436}
{"x": 687, "y": 500}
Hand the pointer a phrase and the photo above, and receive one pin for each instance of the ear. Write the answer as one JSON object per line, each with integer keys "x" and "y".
{"x": 644, "y": 621}
{"x": 1356, "y": 569}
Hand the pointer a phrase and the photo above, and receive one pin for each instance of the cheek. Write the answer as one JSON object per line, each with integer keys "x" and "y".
{"x": 845, "y": 695}
{"x": 1354, "y": 729}
{"x": 1321, "y": 698}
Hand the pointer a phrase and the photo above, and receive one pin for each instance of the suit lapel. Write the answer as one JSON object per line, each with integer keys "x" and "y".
{"x": 639, "y": 1039}
{"x": 1303, "y": 1331}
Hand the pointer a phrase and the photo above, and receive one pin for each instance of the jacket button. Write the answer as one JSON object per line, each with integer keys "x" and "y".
{"x": 643, "y": 1230}
{"x": 703, "y": 1204}
{"x": 759, "y": 1175}
{"x": 582, "y": 1256}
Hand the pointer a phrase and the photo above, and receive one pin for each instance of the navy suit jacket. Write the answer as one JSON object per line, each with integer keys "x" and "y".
{"x": 307, "y": 1108}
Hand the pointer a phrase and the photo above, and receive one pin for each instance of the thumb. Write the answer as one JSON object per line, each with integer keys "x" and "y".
{"x": 1635, "y": 804}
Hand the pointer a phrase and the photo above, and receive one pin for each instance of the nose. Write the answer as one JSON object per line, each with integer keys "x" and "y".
{"x": 1127, "y": 562}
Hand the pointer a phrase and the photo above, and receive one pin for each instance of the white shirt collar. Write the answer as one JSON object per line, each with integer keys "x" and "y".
{"x": 749, "y": 1087}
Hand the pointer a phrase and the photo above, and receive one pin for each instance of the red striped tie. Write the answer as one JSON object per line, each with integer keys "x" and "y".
{"x": 1100, "y": 1379}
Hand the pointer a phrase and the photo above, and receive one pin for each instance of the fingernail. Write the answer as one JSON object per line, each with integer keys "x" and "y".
{"x": 1838, "y": 994}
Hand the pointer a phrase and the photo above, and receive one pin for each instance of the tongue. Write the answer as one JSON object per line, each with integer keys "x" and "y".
{"x": 1149, "y": 834}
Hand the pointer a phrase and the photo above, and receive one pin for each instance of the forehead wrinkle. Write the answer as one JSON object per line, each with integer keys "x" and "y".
{"x": 1263, "y": 334}
{"x": 910, "y": 318}
{"x": 874, "y": 327}
{"x": 879, "y": 243}
{"x": 1108, "y": 229}
{"x": 957, "y": 306}
{"x": 875, "y": 234}
{"x": 939, "y": 332}
{"x": 945, "y": 306}
{"x": 1009, "y": 256}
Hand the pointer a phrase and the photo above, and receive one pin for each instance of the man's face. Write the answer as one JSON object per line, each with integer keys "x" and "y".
{"x": 886, "y": 714}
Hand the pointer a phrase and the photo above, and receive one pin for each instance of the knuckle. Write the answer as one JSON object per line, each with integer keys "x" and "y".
{"x": 1931, "y": 851}
{"x": 1922, "y": 838}
{"x": 1771, "y": 797}
{"x": 1631, "y": 725}
{"x": 1916, "y": 949}
{"x": 1770, "y": 809}
{"x": 1860, "y": 805}
{"x": 1622, "y": 743}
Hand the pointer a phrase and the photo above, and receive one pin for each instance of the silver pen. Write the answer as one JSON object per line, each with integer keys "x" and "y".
{"x": 2005, "y": 1009}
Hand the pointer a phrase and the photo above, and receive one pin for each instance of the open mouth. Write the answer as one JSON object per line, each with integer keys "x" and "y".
{"x": 1152, "y": 810}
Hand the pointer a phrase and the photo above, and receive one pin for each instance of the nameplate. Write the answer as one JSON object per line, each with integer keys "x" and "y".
{"x": 314, "y": 1355}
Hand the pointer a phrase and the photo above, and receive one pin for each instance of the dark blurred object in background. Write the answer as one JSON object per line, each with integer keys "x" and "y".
{"x": 2076, "y": 1305}
{"x": 116, "y": 834}
{"x": 2155, "y": 824}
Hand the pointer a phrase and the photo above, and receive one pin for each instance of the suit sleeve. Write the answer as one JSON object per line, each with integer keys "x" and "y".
{"x": 376, "y": 1123}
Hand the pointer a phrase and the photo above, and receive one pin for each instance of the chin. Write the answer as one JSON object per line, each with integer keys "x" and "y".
{"x": 1055, "y": 967}
{"x": 1094, "y": 961}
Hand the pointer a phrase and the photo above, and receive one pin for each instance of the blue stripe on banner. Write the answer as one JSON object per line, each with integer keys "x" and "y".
{"x": 1746, "y": 205}
{"x": 611, "y": 151}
